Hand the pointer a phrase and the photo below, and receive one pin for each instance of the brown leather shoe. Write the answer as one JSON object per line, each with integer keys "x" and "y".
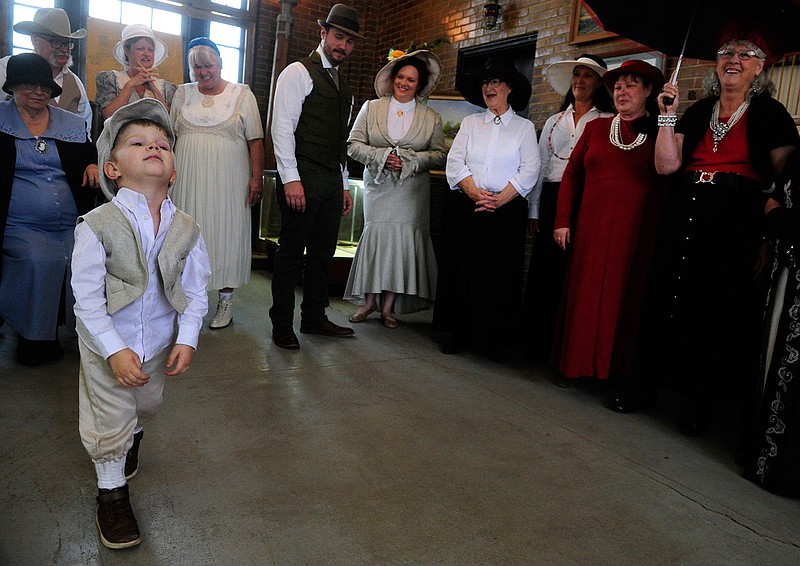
{"x": 115, "y": 520}
{"x": 327, "y": 328}
{"x": 285, "y": 338}
{"x": 132, "y": 458}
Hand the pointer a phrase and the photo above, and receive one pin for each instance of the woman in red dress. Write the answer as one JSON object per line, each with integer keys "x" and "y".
{"x": 609, "y": 208}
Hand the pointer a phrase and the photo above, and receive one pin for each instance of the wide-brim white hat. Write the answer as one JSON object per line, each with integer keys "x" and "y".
{"x": 383, "y": 80}
{"x": 133, "y": 31}
{"x": 559, "y": 74}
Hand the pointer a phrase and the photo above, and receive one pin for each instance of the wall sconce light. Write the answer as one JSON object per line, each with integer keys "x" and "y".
{"x": 491, "y": 12}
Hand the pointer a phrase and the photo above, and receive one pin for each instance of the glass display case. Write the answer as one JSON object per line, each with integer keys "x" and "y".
{"x": 349, "y": 230}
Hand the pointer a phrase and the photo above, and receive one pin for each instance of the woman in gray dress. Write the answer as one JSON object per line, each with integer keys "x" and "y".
{"x": 398, "y": 139}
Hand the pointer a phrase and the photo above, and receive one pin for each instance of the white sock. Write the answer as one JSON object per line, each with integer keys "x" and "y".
{"x": 110, "y": 474}
{"x": 225, "y": 296}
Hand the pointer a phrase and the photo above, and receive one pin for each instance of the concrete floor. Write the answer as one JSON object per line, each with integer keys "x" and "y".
{"x": 377, "y": 450}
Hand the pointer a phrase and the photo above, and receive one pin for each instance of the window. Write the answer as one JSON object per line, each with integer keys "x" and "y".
{"x": 230, "y": 40}
{"x": 786, "y": 76}
{"x": 133, "y": 13}
{"x": 24, "y": 11}
{"x": 229, "y": 36}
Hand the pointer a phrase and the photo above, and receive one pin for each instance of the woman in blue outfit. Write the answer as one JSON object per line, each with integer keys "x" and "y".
{"x": 47, "y": 174}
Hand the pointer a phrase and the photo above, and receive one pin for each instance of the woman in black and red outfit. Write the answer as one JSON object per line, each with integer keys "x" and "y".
{"x": 728, "y": 148}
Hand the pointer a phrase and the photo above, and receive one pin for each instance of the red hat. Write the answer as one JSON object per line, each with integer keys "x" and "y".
{"x": 635, "y": 67}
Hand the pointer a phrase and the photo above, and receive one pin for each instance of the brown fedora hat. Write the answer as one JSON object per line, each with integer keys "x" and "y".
{"x": 49, "y": 21}
{"x": 344, "y": 18}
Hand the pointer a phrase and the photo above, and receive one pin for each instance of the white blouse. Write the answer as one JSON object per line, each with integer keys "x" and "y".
{"x": 401, "y": 114}
{"x": 494, "y": 153}
{"x": 557, "y": 140}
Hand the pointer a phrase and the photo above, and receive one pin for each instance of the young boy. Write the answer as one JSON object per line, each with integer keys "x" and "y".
{"x": 139, "y": 275}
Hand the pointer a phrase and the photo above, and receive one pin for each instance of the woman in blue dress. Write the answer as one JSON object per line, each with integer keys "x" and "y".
{"x": 48, "y": 173}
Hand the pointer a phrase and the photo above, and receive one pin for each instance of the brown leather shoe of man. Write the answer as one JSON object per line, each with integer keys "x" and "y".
{"x": 327, "y": 328}
{"x": 115, "y": 520}
{"x": 132, "y": 458}
{"x": 285, "y": 338}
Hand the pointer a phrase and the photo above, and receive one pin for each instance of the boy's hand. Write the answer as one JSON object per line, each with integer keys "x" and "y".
{"x": 127, "y": 366}
{"x": 180, "y": 358}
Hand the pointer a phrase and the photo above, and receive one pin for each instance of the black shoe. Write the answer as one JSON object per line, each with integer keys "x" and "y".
{"x": 695, "y": 424}
{"x": 326, "y": 328}
{"x": 285, "y": 338}
{"x": 132, "y": 458}
{"x": 452, "y": 345}
{"x": 34, "y": 353}
{"x": 115, "y": 520}
{"x": 563, "y": 382}
{"x": 632, "y": 402}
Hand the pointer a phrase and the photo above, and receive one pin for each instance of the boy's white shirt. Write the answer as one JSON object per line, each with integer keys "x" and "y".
{"x": 147, "y": 325}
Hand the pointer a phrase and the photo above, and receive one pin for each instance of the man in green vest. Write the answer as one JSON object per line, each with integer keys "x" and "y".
{"x": 311, "y": 121}
{"x": 53, "y": 39}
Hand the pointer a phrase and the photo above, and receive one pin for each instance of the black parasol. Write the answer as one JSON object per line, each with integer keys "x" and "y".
{"x": 697, "y": 28}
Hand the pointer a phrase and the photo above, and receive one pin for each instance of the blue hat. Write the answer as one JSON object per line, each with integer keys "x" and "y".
{"x": 203, "y": 41}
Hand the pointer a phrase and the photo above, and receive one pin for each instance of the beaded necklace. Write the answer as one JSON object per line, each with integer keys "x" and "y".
{"x": 719, "y": 129}
{"x": 616, "y": 139}
{"x": 550, "y": 139}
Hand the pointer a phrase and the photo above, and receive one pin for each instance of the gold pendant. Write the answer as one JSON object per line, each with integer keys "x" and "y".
{"x": 400, "y": 113}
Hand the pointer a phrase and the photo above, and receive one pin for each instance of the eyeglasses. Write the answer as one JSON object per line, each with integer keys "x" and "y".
{"x": 743, "y": 55}
{"x": 494, "y": 82}
{"x": 31, "y": 88}
{"x": 58, "y": 43}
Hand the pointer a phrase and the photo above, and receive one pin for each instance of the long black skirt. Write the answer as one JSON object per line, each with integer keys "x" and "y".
{"x": 479, "y": 292}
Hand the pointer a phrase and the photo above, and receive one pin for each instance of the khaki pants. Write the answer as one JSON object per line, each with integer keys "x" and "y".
{"x": 109, "y": 411}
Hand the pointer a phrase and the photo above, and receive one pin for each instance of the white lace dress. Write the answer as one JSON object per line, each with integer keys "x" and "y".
{"x": 213, "y": 164}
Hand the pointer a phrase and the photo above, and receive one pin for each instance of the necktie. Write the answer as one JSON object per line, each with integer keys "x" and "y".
{"x": 334, "y": 75}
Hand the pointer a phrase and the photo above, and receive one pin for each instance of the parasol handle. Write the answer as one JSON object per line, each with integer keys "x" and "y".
{"x": 668, "y": 100}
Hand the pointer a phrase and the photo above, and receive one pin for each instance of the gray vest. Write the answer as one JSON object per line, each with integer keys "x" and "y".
{"x": 126, "y": 266}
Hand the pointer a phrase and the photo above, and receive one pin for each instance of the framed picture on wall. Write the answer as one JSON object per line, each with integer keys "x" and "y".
{"x": 655, "y": 58}
{"x": 452, "y": 109}
{"x": 583, "y": 28}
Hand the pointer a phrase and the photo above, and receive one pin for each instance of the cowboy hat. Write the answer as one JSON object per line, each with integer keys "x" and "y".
{"x": 344, "y": 18}
{"x": 142, "y": 109}
{"x": 559, "y": 74}
{"x": 49, "y": 21}
{"x": 635, "y": 67}
{"x": 135, "y": 31}
{"x": 383, "y": 85}
{"x": 496, "y": 68}
{"x": 30, "y": 69}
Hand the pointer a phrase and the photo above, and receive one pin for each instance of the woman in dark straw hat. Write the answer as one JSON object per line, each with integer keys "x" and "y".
{"x": 607, "y": 218}
{"x": 398, "y": 139}
{"x": 585, "y": 98}
{"x": 46, "y": 163}
{"x": 493, "y": 161}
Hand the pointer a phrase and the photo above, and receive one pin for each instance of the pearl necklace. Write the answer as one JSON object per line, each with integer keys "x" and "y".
{"x": 719, "y": 129}
{"x": 616, "y": 140}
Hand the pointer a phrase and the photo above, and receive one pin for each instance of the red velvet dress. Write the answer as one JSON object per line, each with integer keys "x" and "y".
{"x": 612, "y": 201}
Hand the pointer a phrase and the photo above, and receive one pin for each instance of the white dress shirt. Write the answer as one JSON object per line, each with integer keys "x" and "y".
{"x": 84, "y": 108}
{"x": 293, "y": 85}
{"x": 494, "y": 154}
{"x": 147, "y": 325}
{"x": 556, "y": 142}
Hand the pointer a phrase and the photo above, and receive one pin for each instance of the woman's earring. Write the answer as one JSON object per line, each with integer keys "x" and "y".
{"x": 715, "y": 88}
{"x": 755, "y": 87}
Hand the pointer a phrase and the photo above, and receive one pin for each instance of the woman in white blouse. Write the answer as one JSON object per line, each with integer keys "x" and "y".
{"x": 493, "y": 161}
{"x": 398, "y": 139}
{"x": 585, "y": 98}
